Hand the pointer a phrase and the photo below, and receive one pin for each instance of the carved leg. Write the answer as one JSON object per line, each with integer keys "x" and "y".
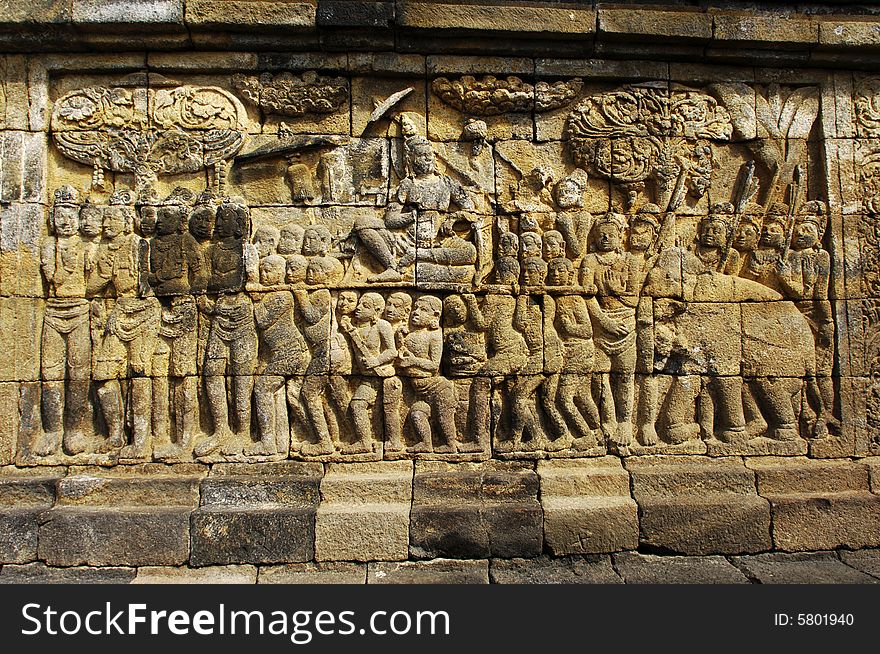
{"x": 647, "y": 414}
{"x": 477, "y": 413}
{"x": 242, "y": 391}
{"x": 360, "y": 419}
{"x": 679, "y": 408}
{"x": 568, "y": 390}
{"x": 420, "y": 419}
{"x": 728, "y": 392}
{"x": 53, "y": 419}
{"x": 776, "y": 398}
{"x": 141, "y": 406}
{"x": 215, "y": 389}
{"x": 392, "y": 397}
{"x": 110, "y": 398}
{"x": 312, "y": 398}
{"x": 443, "y": 403}
{"x": 267, "y": 420}
{"x": 623, "y": 389}
{"x": 549, "y": 391}
{"x": 522, "y": 400}
{"x": 755, "y": 423}
{"x": 79, "y": 367}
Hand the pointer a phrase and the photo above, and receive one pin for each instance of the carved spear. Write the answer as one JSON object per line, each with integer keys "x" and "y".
{"x": 793, "y": 197}
{"x": 746, "y": 187}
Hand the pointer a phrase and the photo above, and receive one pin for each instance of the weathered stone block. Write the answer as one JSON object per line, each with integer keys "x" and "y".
{"x": 552, "y": 570}
{"x": 118, "y": 536}
{"x": 766, "y": 28}
{"x": 149, "y": 484}
{"x": 40, "y": 573}
{"x": 649, "y": 569}
{"x": 475, "y": 510}
{"x": 807, "y": 568}
{"x": 18, "y": 535}
{"x": 337, "y": 572}
{"x": 132, "y": 12}
{"x": 252, "y": 534}
{"x": 365, "y": 512}
{"x": 623, "y": 22}
{"x": 242, "y": 14}
{"x": 697, "y": 506}
{"x": 818, "y": 505}
{"x": 355, "y": 14}
{"x": 230, "y": 574}
{"x": 431, "y": 15}
{"x": 587, "y": 506}
{"x": 438, "y": 571}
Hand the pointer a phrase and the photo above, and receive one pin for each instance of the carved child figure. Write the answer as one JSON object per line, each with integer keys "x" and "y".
{"x": 66, "y": 347}
{"x": 316, "y": 244}
{"x": 397, "y": 313}
{"x": 372, "y": 340}
{"x": 419, "y": 359}
{"x": 290, "y": 247}
{"x": 176, "y": 261}
{"x": 264, "y": 243}
{"x": 572, "y": 221}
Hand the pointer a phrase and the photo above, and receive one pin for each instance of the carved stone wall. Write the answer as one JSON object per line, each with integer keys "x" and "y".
{"x": 217, "y": 259}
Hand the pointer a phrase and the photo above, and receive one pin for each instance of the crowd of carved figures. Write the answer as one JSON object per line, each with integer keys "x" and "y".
{"x": 174, "y": 327}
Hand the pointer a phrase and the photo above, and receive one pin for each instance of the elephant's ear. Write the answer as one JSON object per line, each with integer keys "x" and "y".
{"x": 739, "y": 100}
{"x": 799, "y": 113}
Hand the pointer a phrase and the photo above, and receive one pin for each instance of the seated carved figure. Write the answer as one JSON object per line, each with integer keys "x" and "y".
{"x": 422, "y": 200}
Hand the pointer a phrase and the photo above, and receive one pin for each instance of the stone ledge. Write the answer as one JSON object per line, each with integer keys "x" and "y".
{"x": 569, "y": 19}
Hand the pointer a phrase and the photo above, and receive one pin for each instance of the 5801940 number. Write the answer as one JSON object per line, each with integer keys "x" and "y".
{"x": 825, "y": 619}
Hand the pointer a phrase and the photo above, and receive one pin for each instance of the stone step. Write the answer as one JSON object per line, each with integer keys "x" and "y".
{"x": 781, "y": 475}
{"x": 150, "y": 484}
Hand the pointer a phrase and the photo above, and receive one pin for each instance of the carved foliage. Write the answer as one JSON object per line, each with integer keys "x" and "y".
{"x": 149, "y": 132}
{"x": 491, "y": 96}
{"x": 286, "y": 94}
{"x": 645, "y": 132}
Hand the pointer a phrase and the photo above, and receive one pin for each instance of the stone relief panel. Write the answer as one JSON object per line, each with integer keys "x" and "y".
{"x": 222, "y": 284}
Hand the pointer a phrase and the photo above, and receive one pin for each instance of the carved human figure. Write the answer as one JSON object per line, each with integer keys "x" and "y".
{"x": 397, "y": 313}
{"x": 748, "y": 233}
{"x": 609, "y": 269}
{"x": 66, "y": 347}
{"x": 286, "y": 353}
{"x": 422, "y": 200}
{"x": 264, "y": 243}
{"x": 231, "y": 350}
{"x": 372, "y": 341}
{"x": 443, "y": 254}
{"x": 202, "y": 220}
{"x": 813, "y": 266}
{"x": 508, "y": 258}
{"x": 572, "y": 220}
{"x": 765, "y": 264}
{"x": 176, "y": 261}
{"x": 290, "y": 243}
{"x": 91, "y": 225}
{"x": 126, "y": 339}
{"x": 175, "y": 384}
{"x": 554, "y": 245}
{"x": 418, "y": 358}
{"x": 227, "y": 251}
{"x": 316, "y": 244}
{"x": 571, "y": 319}
{"x": 714, "y": 238}
{"x": 644, "y": 234}
{"x": 464, "y": 352}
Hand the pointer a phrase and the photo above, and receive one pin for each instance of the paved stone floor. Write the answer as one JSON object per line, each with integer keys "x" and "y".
{"x": 832, "y": 567}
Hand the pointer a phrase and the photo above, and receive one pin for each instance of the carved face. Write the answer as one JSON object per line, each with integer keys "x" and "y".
{"x": 266, "y": 242}
{"x": 66, "y": 219}
{"x": 231, "y": 220}
{"x": 346, "y": 303}
{"x": 271, "y": 271}
{"x": 91, "y": 220}
{"x": 424, "y": 313}
{"x": 607, "y": 237}
{"x": 554, "y": 245}
{"x": 201, "y": 222}
{"x": 713, "y": 233}
{"x": 423, "y": 161}
{"x": 147, "y": 218}
{"x": 507, "y": 271}
{"x": 773, "y": 235}
{"x": 508, "y": 245}
{"x": 114, "y": 222}
{"x": 297, "y": 271}
{"x": 568, "y": 195}
{"x": 559, "y": 272}
{"x": 169, "y": 219}
{"x": 454, "y": 310}
{"x": 746, "y": 237}
{"x": 367, "y": 308}
{"x": 806, "y": 236}
{"x": 397, "y": 308}
{"x": 641, "y": 236}
{"x": 535, "y": 272}
{"x": 291, "y": 240}
{"x": 531, "y": 245}
{"x": 316, "y": 242}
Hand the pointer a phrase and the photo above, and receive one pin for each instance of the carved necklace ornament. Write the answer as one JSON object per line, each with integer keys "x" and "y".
{"x": 149, "y": 132}
{"x": 491, "y": 96}
{"x": 643, "y": 132}
{"x": 287, "y": 94}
